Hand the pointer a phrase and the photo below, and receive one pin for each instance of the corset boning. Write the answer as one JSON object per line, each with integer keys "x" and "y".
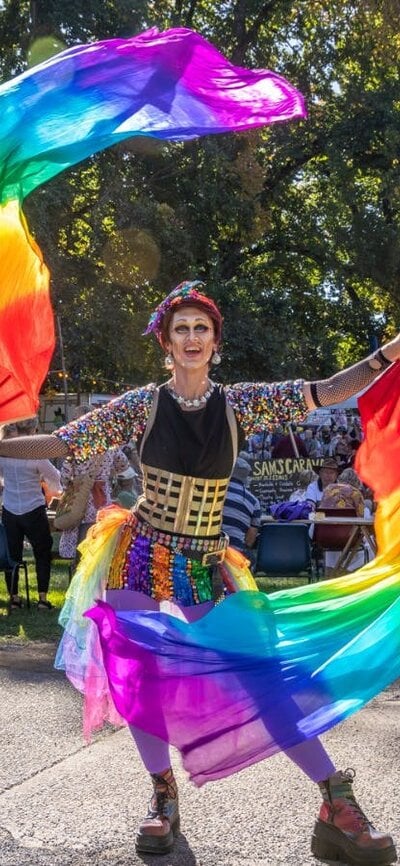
{"x": 181, "y": 503}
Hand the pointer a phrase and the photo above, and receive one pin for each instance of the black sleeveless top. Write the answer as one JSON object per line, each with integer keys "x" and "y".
{"x": 194, "y": 443}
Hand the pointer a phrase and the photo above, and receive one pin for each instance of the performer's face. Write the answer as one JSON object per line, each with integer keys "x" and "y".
{"x": 191, "y": 338}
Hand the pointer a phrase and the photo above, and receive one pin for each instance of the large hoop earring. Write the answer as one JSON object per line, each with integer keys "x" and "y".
{"x": 215, "y": 359}
{"x": 169, "y": 362}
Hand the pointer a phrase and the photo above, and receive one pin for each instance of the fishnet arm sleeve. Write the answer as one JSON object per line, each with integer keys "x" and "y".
{"x": 33, "y": 447}
{"x": 348, "y": 382}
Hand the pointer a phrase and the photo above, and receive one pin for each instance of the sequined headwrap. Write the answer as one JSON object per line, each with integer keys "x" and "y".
{"x": 185, "y": 293}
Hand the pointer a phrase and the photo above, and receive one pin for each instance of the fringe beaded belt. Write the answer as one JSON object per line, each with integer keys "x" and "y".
{"x": 208, "y": 551}
{"x": 182, "y": 504}
{"x": 166, "y": 565}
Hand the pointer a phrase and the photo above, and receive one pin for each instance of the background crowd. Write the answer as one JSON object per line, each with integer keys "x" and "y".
{"x": 339, "y": 437}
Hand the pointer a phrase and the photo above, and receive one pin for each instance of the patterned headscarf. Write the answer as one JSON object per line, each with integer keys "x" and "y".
{"x": 185, "y": 293}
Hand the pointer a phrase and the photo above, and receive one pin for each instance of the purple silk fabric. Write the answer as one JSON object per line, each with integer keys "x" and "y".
{"x": 223, "y": 710}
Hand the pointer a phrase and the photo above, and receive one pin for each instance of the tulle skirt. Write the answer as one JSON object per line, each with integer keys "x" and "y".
{"x": 120, "y": 565}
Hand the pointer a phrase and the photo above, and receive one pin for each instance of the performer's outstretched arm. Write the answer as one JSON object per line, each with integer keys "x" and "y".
{"x": 35, "y": 447}
{"x": 114, "y": 424}
{"x": 352, "y": 380}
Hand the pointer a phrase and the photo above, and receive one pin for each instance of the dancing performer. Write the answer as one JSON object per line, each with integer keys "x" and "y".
{"x": 169, "y": 553}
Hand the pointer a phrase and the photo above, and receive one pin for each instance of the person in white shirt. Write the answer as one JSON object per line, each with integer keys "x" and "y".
{"x": 24, "y": 514}
{"x": 327, "y": 474}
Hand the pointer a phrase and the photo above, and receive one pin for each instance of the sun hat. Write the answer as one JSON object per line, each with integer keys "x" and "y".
{"x": 329, "y": 463}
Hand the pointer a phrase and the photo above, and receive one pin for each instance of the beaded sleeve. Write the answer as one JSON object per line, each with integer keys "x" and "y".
{"x": 120, "y": 421}
{"x": 260, "y": 406}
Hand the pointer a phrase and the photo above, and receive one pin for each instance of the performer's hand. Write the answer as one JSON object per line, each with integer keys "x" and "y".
{"x": 391, "y": 350}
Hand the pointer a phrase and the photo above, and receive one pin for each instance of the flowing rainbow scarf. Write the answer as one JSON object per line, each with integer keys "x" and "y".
{"x": 260, "y": 673}
{"x": 172, "y": 85}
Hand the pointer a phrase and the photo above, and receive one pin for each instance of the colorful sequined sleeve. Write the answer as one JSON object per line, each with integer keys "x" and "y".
{"x": 260, "y": 406}
{"x": 120, "y": 421}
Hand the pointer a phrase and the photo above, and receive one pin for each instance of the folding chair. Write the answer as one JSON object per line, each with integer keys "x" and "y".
{"x": 9, "y": 564}
{"x": 335, "y": 537}
{"x": 284, "y": 549}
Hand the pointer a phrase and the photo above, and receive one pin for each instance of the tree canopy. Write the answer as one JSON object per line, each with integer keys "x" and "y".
{"x": 294, "y": 228}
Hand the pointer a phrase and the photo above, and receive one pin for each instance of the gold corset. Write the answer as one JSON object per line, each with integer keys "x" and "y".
{"x": 181, "y": 503}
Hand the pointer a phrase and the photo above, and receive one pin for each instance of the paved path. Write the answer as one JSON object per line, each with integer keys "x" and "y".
{"x": 63, "y": 803}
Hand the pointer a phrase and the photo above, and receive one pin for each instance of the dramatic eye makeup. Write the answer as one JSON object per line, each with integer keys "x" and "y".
{"x": 200, "y": 327}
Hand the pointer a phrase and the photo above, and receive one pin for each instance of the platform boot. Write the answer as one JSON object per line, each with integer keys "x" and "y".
{"x": 342, "y": 831}
{"x": 157, "y": 830}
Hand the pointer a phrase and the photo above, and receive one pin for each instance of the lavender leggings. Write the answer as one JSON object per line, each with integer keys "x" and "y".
{"x": 310, "y": 755}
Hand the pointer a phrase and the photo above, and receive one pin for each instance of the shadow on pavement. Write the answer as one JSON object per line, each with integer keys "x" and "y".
{"x": 181, "y": 854}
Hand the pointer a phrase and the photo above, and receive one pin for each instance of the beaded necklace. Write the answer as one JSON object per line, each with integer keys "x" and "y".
{"x": 196, "y": 402}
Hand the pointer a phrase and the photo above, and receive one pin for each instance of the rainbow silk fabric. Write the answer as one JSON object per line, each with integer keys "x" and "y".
{"x": 172, "y": 85}
{"x": 260, "y": 673}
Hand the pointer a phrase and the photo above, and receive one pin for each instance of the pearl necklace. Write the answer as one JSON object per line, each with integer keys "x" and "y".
{"x": 197, "y": 402}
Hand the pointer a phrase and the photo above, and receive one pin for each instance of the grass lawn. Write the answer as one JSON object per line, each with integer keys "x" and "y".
{"x": 29, "y": 623}
{"x": 32, "y": 625}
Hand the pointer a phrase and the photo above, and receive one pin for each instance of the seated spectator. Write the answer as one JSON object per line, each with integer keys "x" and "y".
{"x": 346, "y": 492}
{"x": 327, "y": 474}
{"x": 355, "y": 431}
{"x": 242, "y": 512}
{"x": 24, "y": 513}
{"x": 354, "y": 446}
{"x": 303, "y": 481}
{"x": 127, "y": 491}
{"x": 325, "y": 441}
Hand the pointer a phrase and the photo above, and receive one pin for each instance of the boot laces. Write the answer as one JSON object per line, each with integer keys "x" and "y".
{"x": 362, "y": 820}
{"x": 163, "y": 790}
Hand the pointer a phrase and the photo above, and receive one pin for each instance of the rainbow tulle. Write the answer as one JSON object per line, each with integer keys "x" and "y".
{"x": 79, "y": 653}
{"x": 258, "y": 673}
{"x": 262, "y": 673}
